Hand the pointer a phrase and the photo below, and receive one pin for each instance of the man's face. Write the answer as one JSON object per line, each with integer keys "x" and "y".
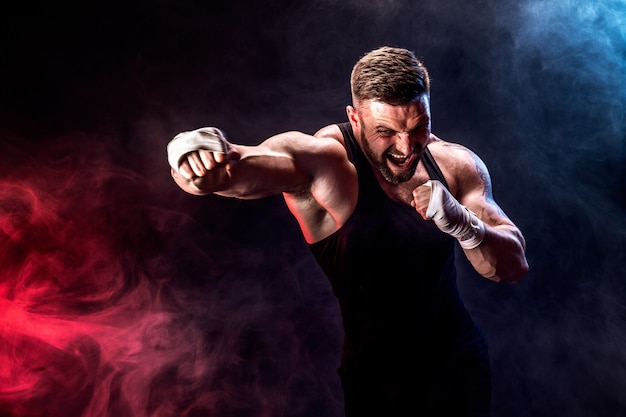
{"x": 393, "y": 137}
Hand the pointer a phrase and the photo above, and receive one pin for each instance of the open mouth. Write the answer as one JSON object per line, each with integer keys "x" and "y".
{"x": 397, "y": 159}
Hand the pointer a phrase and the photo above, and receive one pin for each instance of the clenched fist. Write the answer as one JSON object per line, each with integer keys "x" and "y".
{"x": 433, "y": 201}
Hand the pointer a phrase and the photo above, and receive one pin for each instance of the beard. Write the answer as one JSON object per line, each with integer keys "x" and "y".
{"x": 382, "y": 164}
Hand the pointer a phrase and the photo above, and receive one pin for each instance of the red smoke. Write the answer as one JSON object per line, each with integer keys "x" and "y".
{"x": 78, "y": 316}
{"x": 113, "y": 306}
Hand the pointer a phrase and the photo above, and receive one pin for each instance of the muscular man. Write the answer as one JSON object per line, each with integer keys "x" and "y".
{"x": 381, "y": 202}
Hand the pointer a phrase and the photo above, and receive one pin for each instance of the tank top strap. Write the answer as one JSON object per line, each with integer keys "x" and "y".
{"x": 434, "y": 172}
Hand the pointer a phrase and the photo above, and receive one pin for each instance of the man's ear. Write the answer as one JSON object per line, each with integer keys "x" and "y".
{"x": 352, "y": 116}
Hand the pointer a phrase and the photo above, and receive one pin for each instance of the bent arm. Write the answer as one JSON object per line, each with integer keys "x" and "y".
{"x": 501, "y": 256}
{"x": 467, "y": 211}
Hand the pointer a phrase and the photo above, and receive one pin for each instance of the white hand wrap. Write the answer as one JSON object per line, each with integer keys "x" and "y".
{"x": 453, "y": 218}
{"x": 209, "y": 138}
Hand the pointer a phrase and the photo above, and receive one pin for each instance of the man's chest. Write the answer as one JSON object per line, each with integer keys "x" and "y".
{"x": 403, "y": 192}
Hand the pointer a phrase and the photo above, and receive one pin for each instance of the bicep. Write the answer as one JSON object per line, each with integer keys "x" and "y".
{"x": 289, "y": 162}
{"x": 475, "y": 193}
{"x": 474, "y": 190}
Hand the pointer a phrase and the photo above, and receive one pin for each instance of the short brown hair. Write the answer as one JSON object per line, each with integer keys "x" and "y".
{"x": 390, "y": 75}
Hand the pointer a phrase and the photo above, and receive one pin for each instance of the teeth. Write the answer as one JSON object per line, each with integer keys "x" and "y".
{"x": 398, "y": 159}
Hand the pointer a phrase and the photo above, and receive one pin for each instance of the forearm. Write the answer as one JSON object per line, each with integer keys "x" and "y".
{"x": 255, "y": 174}
{"x": 260, "y": 173}
{"x": 492, "y": 243}
{"x": 204, "y": 162}
{"x": 500, "y": 256}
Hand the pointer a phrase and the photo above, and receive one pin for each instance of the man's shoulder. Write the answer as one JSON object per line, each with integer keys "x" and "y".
{"x": 457, "y": 162}
{"x": 446, "y": 152}
{"x": 330, "y": 131}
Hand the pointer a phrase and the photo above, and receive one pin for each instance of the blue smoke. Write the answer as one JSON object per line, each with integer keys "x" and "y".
{"x": 559, "y": 89}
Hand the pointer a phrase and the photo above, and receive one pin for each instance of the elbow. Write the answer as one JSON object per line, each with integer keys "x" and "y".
{"x": 520, "y": 273}
{"x": 515, "y": 277}
{"x": 512, "y": 273}
{"x": 509, "y": 270}
{"x": 509, "y": 265}
{"x": 518, "y": 267}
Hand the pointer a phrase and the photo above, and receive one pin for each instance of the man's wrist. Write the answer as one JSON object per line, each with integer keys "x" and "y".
{"x": 472, "y": 233}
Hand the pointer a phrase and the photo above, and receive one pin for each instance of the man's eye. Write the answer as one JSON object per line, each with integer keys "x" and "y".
{"x": 385, "y": 132}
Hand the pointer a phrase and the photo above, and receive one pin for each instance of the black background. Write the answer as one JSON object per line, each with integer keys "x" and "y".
{"x": 123, "y": 296}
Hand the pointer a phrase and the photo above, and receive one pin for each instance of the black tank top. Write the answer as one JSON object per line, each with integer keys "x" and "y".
{"x": 393, "y": 273}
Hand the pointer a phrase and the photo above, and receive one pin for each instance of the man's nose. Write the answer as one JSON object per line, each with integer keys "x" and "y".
{"x": 403, "y": 143}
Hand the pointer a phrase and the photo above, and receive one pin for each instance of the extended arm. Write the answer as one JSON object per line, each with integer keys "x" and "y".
{"x": 241, "y": 171}
{"x": 312, "y": 173}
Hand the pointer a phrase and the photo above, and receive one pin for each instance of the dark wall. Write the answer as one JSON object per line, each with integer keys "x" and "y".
{"x": 120, "y": 295}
